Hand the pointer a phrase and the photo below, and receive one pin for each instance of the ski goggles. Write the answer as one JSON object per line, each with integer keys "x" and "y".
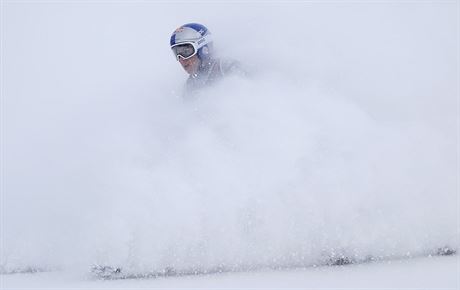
{"x": 187, "y": 49}
{"x": 184, "y": 50}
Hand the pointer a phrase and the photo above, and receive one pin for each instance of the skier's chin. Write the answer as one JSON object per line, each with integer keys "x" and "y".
{"x": 190, "y": 70}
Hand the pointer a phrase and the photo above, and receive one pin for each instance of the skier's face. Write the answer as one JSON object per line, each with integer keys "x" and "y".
{"x": 190, "y": 65}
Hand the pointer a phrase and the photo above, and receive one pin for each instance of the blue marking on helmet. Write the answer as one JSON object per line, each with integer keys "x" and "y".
{"x": 172, "y": 41}
{"x": 198, "y": 27}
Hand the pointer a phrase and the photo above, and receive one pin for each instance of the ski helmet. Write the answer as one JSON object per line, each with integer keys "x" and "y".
{"x": 191, "y": 39}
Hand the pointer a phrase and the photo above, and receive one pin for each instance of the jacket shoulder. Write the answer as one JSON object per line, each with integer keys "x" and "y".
{"x": 230, "y": 66}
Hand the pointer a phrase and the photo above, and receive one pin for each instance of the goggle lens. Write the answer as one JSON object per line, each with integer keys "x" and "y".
{"x": 184, "y": 51}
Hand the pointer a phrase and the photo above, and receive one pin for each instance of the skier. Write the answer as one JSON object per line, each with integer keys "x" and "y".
{"x": 192, "y": 46}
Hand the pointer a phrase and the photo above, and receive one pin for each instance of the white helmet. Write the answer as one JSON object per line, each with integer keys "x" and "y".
{"x": 191, "y": 39}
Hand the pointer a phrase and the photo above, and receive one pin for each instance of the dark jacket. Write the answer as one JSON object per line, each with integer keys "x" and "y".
{"x": 211, "y": 71}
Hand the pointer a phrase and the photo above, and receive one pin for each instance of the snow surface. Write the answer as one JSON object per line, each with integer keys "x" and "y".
{"x": 425, "y": 273}
{"x": 341, "y": 142}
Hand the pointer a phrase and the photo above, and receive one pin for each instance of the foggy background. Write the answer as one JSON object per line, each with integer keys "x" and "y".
{"x": 342, "y": 140}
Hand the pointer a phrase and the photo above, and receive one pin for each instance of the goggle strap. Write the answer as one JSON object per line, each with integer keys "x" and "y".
{"x": 203, "y": 41}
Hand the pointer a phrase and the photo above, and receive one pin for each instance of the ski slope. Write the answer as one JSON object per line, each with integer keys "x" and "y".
{"x": 418, "y": 273}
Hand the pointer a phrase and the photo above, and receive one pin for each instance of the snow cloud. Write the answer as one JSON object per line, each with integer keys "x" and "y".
{"x": 342, "y": 139}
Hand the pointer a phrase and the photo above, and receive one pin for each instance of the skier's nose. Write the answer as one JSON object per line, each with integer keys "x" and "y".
{"x": 183, "y": 61}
